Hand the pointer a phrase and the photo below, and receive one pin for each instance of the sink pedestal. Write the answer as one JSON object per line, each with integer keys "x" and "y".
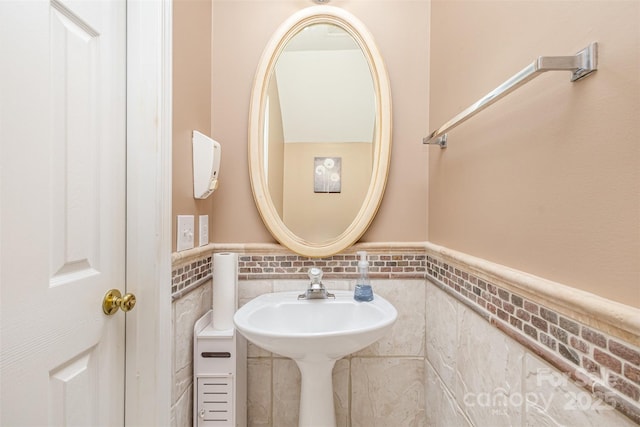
{"x": 316, "y": 393}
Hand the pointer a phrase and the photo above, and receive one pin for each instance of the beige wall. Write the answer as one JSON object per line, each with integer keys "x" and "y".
{"x": 320, "y": 217}
{"x": 191, "y": 102}
{"x": 548, "y": 179}
{"x": 241, "y": 30}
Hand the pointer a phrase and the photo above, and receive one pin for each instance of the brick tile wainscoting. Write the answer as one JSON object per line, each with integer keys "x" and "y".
{"x": 600, "y": 356}
{"x": 601, "y": 364}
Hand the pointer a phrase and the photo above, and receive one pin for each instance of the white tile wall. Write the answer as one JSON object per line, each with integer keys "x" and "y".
{"x": 442, "y": 410}
{"x": 554, "y": 400}
{"x": 186, "y": 311}
{"x": 286, "y": 391}
{"x": 387, "y": 391}
{"x": 408, "y": 333}
{"x": 341, "y": 389}
{"x": 476, "y": 375}
{"x": 259, "y": 392}
{"x": 488, "y": 367}
{"x": 442, "y": 335}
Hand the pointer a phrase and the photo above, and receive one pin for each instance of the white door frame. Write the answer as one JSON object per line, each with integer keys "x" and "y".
{"x": 149, "y": 115}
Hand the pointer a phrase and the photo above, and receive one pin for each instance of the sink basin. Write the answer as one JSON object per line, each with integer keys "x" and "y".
{"x": 315, "y": 333}
{"x": 315, "y": 328}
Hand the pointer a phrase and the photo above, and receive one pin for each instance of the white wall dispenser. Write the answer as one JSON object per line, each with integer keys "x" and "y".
{"x": 206, "y": 165}
{"x": 220, "y": 376}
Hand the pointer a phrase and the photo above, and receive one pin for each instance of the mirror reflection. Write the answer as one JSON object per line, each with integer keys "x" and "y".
{"x": 319, "y": 128}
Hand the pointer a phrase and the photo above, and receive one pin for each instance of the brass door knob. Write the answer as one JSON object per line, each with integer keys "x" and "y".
{"x": 114, "y": 300}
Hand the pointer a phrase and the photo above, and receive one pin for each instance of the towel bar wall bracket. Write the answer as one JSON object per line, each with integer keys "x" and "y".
{"x": 581, "y": 65}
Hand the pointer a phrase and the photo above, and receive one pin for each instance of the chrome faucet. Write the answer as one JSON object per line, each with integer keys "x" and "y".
{"x": 316, "y": 289}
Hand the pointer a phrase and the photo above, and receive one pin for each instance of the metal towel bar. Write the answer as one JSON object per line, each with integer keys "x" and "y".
{"x": 581, "y": 64}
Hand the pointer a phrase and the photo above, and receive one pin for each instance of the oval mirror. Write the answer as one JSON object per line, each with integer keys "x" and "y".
{"x": 319, "y": 131}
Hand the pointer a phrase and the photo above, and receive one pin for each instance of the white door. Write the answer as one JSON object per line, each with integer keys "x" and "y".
{"x": 62, "y": 133}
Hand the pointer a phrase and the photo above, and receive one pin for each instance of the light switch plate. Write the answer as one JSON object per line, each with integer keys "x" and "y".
{"x": 185, "y": 230}
{"x": 203, "y": 227}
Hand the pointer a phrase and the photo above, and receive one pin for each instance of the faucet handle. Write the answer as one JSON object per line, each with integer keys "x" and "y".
{"x": 316, "y": 289}
{"x": 315, "y": 275}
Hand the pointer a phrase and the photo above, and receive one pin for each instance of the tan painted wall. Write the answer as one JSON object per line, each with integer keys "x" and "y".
{"x": 191, "y": 102}
{"x": 241, "y": 30}
{"x": 321, "y": 217}
{"x": 548, "y": 179}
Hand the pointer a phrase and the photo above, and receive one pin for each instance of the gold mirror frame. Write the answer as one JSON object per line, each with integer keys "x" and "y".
{"x": 381, "y": 144}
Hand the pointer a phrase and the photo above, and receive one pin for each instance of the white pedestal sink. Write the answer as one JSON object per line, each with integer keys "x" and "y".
{"x": 315, "y": 333}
